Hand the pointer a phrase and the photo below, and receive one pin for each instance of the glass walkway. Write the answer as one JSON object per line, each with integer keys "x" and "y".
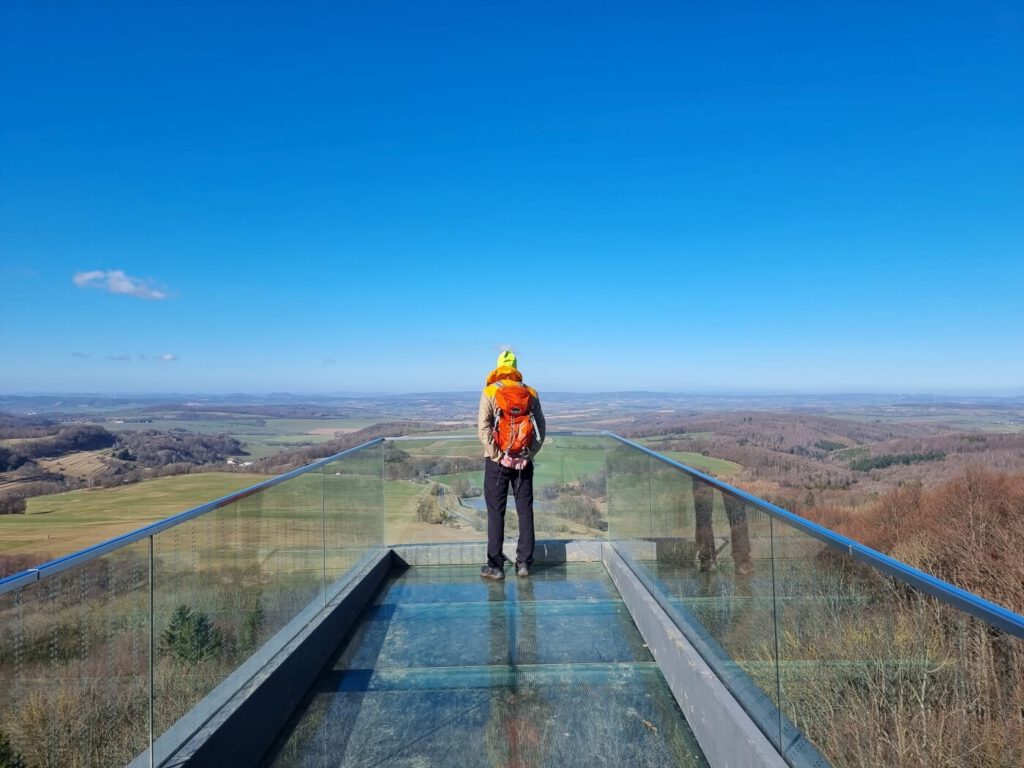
{"x": 446, "y": 669}
{"x": 334, "y": 616}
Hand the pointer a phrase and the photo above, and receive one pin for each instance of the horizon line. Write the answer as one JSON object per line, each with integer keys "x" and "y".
{"x": 995, "y": 393}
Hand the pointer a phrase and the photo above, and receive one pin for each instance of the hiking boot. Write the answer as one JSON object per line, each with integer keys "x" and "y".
{"x": 490, "y": 572}
{"x": 522, "y": 570}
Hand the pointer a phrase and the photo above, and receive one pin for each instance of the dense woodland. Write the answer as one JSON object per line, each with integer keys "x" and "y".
{"x": 119, "y": 458}
{"x": 805, "y": 460}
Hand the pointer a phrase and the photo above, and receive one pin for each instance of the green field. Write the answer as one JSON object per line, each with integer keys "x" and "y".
{"x": 567, "y": 459}
{"x": 463, "y": 448}
{"x": 66, "y": 522}
{"x": 475, "y": 478}
{"x": 709, "y": 464}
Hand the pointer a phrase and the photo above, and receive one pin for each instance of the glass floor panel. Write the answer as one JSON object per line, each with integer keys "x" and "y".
{"x": 446, "y": 669}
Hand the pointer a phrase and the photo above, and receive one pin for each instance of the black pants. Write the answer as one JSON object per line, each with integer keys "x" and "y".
{"x": 496, "y": 482}
{"x": 735, "y": 511}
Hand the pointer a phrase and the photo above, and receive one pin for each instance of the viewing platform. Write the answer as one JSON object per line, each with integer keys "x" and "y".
{"x": 334, "y": 616}
{"x": 548, "y": 670}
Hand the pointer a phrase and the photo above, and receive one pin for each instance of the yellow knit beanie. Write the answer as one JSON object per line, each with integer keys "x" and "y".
{"x": 507, "y": 359}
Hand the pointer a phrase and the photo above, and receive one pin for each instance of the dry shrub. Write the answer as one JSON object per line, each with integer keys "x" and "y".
{"x": 96, "y": 722}
{"x": 937, "y": 687}
{"x": 966, "y": 531}
{"x": 918, "y": 685}
{"x": 12, "y": 564}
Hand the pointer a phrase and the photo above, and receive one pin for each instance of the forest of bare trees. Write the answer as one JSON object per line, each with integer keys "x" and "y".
{"x": 121, "y": 457}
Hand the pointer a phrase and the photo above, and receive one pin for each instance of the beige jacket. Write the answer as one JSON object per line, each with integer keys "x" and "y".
{"x": 486, "y": 411}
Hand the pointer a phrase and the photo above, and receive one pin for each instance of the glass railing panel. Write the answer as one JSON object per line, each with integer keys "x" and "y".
{"x": 434, "y": 490}
{"x": 714, "y": 560}
{"x": 570, "y": 488}
{"x": 874, "y": 672}
{"x": 629, "y": 500}
{"x": 74, "y": 664}
{"x": 353, "y": 499}
{"x": 227, "y": 582}
{"x": 706, "y": 555}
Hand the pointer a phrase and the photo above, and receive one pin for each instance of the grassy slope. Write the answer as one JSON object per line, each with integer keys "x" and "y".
{"x": 66, "y": 522}
{"x": 717, "y": 467}
{"x": 457, "y": 448}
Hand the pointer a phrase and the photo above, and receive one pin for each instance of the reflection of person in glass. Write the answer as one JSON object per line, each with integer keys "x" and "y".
{"x": 703, "y": 504}
{"x": 519, "y": 726}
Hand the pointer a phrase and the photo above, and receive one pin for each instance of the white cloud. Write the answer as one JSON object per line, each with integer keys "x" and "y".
{"x": 116, "y": 281}
{"x": 166, "y": 357}
{"x": 80, "y": 354}
{"x": 85, "y": 278}
{"x": 330, "y": 361}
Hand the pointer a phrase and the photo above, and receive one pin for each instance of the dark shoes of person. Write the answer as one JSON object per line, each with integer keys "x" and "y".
{"x": 522, "y": 570}
{"x": 490, "y": 572}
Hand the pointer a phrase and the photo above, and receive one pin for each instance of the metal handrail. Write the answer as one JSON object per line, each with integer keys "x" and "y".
{"x": 996, "y": 615}
{"x": 17, "y": 580}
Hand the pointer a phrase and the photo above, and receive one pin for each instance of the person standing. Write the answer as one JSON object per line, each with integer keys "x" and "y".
{"x": 511, "y": 427}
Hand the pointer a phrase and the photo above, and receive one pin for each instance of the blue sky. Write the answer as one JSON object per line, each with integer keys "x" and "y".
{"x": 375, "y": 196}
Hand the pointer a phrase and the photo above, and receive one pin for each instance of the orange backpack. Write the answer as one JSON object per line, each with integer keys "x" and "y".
{"x": 513, "y": 421}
